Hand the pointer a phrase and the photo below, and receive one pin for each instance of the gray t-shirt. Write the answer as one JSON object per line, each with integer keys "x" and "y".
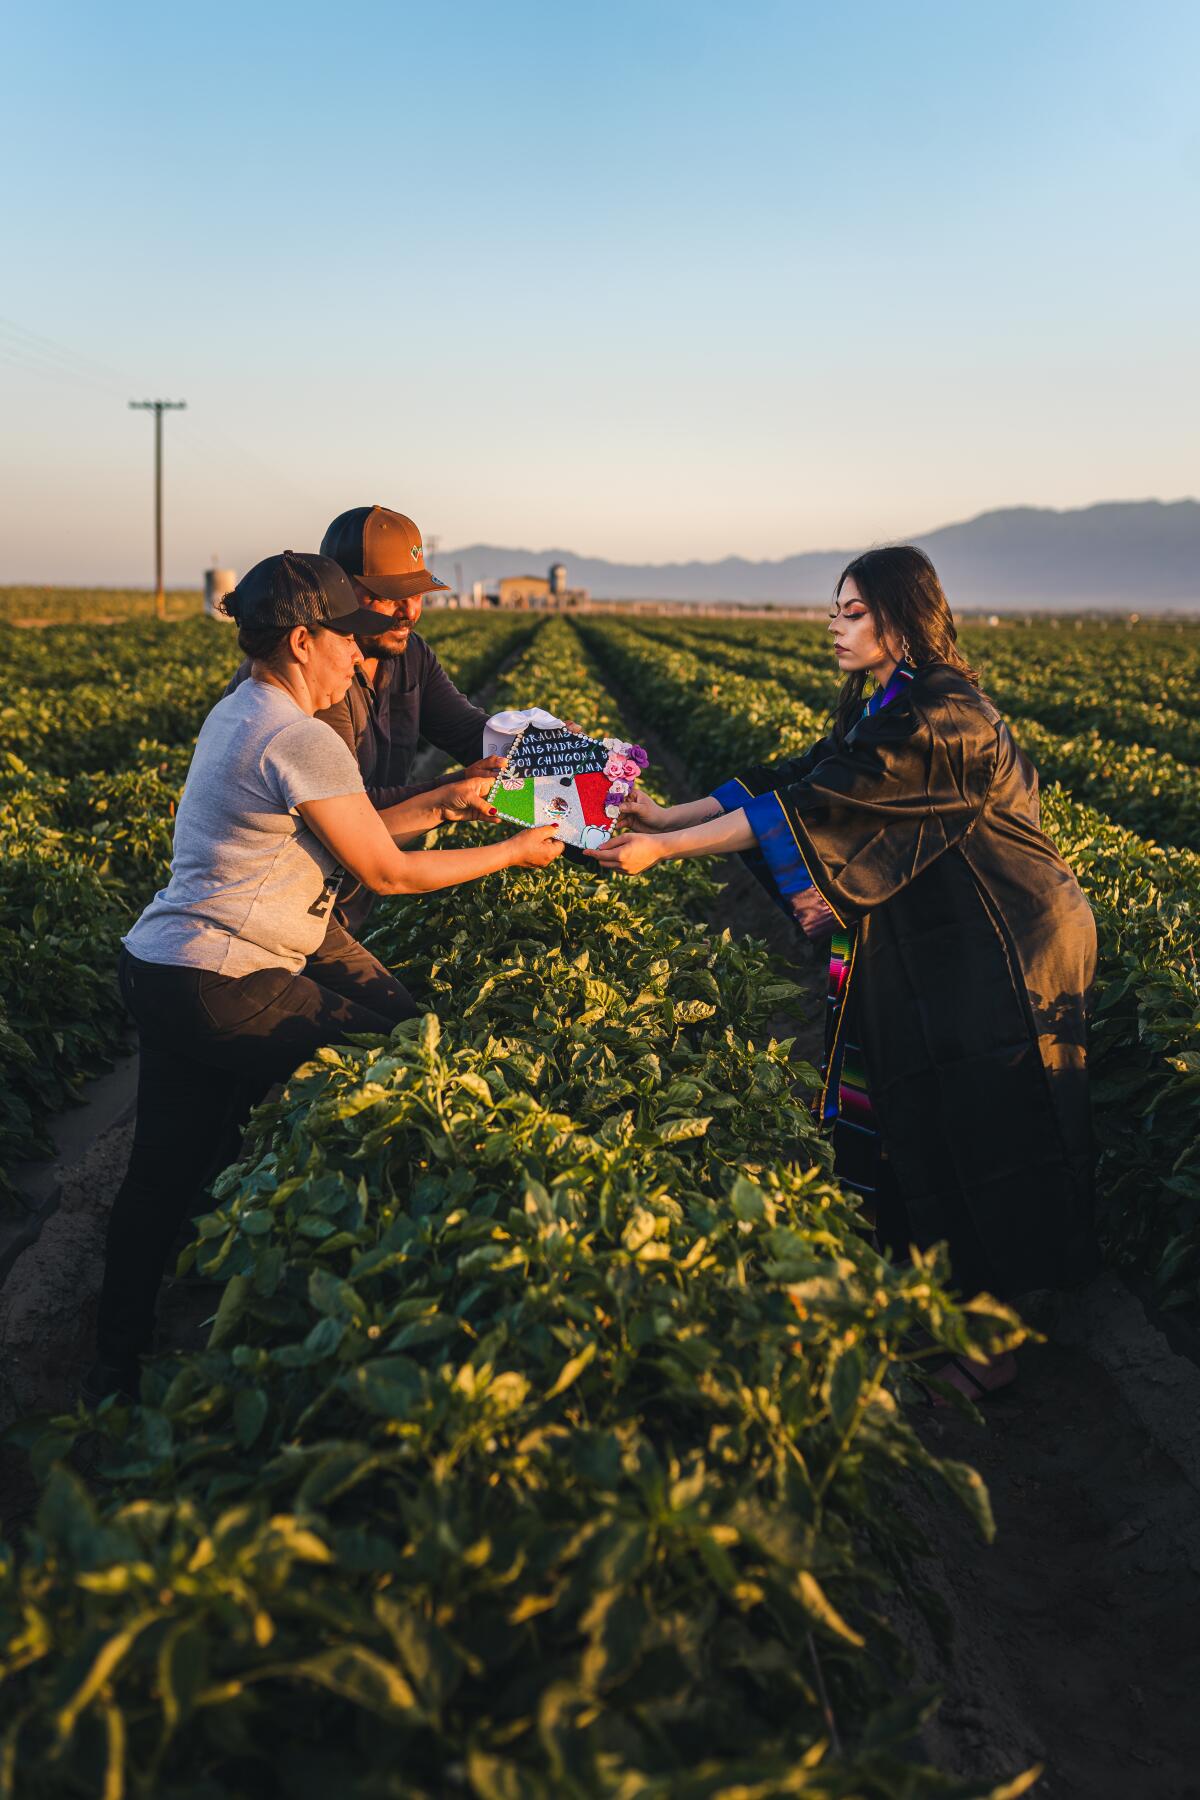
{"x": 251, "y": 886}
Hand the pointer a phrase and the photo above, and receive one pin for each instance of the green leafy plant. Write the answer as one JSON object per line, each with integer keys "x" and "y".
{"x": 1145, "y": 1050}
{"x": 547, "y": 1441}
{"x": 87, "y": 803}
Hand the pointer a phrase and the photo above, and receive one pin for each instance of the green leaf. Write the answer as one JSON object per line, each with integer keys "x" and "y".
{"x": 690, "y": 1012}
{"x": 108, "y": 1658}
{"x": 423, "y": 1648}
{"x": 1021, "y": 1784}
{"x": 968, "y": 1486}
{"x": 301, "y": 1543}
{"x": 844, "y": 1386}
{"x": 114, "y": 1762}
{"x": 330, "y": 1295}
{"x": 181, "y": 1671}
{"x": 640, "y": 1229}
{"x": 390, "y": 1387}
{"x": 360, "y": 1676}
{"x": 233, "y": 1304}
{"x": 821, "y": 1609}
{"x": 749, "y": 1202}
{"x": 492, "y": 1778}
{"x": 614, "y": 1622}
{"x": 66, "y": 1515}
{"x": 250, "y": 1407}
{"x": 571, "y": 1370}
{"x": 676, "y": 1131}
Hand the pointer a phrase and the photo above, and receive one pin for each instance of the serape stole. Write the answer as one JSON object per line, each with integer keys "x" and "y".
{"x": 845, "y": 1098}
{"x": 844, "y": 1103}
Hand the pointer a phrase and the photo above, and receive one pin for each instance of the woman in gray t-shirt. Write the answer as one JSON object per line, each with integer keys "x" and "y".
{"x": 273, "y": 813}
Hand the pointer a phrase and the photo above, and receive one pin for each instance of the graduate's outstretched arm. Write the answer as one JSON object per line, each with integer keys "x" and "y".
{"x": 640, "y": 813}
{"x": 637, "y": 851}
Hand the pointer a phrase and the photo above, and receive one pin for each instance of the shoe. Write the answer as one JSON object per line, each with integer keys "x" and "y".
{"x": 105, "y": 1378}
{"x": 978, "y": 1381}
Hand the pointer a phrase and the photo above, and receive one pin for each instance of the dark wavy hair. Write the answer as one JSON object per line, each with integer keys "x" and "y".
{"x": 901, "y": 591}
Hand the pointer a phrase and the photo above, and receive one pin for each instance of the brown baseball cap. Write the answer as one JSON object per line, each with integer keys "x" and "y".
{"x": 381, "y": 549}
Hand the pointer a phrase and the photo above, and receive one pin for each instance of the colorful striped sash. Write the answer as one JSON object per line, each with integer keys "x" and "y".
{"x": 844, "y": 1104}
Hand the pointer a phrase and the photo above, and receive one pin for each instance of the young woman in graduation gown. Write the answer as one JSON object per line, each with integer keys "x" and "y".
{"x": 955, "y": 1081}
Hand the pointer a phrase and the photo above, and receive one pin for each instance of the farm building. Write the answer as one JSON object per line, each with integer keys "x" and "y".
{"x": 547, "y": 592}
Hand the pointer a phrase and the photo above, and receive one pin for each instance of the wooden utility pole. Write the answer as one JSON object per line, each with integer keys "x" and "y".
{"x": 158, "y": 408}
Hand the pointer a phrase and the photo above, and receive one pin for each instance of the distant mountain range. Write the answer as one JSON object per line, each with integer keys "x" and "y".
{"x": 1141, "y": 554}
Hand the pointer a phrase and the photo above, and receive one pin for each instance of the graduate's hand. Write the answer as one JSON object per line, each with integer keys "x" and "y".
{"x": 467, "y": 799}
{"x": 536, "y": 848}
{"x": 631, "y": 853}
{"x": 640, "y": 813}
{"x": 812, "y": 915}
{"x": 486, "y": 767}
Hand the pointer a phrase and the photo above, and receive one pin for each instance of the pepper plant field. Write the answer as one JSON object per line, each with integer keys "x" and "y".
{"x": 97, "y": 725}
{"x": 551, "y": 1435}
{"x": 1125, "y": 816}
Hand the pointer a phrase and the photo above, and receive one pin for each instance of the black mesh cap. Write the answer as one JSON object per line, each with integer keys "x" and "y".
{"x": 301, "y": 588}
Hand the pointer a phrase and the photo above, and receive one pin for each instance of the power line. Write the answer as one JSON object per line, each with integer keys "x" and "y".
{"x": 30, "y": 352}
{"x": 158, "y": 408}
{"x": 49, "y": 351}
{"x": 17, "y": 357}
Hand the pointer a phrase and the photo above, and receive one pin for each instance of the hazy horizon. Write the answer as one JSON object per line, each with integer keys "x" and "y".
{"x": 511, "y": 270}
{"x": 1112, "y": 556}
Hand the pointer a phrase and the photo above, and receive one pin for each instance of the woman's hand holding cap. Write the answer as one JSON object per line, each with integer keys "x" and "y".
{"x": 536, "y": 848}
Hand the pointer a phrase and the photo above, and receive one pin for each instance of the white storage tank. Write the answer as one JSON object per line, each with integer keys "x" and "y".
{"x": 218, "y": 583}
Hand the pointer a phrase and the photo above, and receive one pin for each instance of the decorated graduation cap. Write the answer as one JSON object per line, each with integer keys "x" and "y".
{"x": 556, "y": 776}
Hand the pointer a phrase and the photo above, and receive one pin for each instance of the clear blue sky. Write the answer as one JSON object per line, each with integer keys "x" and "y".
{"x": 649, "y": 279}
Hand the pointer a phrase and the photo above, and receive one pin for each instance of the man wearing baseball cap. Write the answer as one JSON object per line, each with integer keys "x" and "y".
{"x": 220, "y": 971}
{"x": 400, "y": 693}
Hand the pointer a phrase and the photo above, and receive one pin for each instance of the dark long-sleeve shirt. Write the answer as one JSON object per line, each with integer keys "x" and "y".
{"x": 382, "y": 722}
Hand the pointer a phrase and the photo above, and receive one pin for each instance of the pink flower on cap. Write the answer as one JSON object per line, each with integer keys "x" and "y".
{"x": 621, "y": 768}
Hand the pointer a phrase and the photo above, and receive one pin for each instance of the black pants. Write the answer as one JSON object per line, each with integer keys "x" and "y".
{"x": 210, "y": 1046}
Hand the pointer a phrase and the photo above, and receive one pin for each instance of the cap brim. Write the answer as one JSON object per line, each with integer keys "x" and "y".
{"x": 362, "y": 622}
{"x": 400, "y": 587}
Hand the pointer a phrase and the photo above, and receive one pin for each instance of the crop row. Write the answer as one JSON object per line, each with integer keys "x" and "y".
{"x": 62, "y": 657}
{"x": 60, "y": 605}
{"x": 81, "y": 851}
{"x": 1145, "y": 1053}
{"x": 1086, "y": 663}
{"x": 1110, "y": 684}
{"x": 1147, "y": 789}
{"x": 1106, "y": 670}
{"x": 547, "y": 1440}
{"x": 152, "y": 683}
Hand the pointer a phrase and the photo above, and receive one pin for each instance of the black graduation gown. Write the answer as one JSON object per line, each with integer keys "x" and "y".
{"x": 974, "y": 951}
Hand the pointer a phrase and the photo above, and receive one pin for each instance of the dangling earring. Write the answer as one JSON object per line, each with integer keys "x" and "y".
{"x": 905, "y": 652}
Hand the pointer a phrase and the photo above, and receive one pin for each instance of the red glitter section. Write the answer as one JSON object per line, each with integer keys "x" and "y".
{"x": 592, "y": 790}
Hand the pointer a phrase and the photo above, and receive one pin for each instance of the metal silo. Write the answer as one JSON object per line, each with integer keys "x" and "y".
{"x": 217, "y": 583}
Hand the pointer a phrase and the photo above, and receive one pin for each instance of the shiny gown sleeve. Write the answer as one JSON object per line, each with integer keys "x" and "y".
{"x": 775, "y": 862}
{"x": 766, "y": 778}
